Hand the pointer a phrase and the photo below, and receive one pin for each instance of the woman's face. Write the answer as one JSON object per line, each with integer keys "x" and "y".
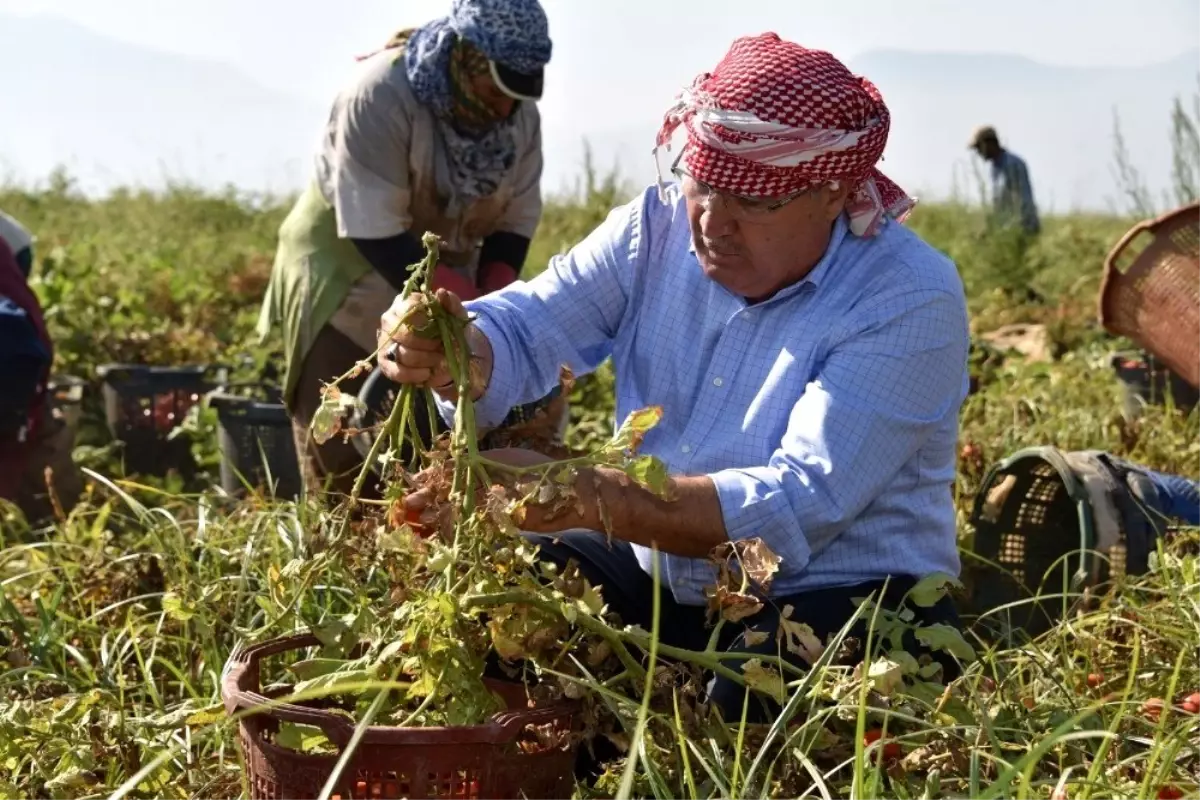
{"x": 489, "y": 93}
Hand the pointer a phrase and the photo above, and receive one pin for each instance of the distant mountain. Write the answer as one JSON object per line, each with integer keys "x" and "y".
{"x": 115, "y": 113}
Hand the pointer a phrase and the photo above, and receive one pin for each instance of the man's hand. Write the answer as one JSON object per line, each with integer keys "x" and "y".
{"x": 412, "y": 359}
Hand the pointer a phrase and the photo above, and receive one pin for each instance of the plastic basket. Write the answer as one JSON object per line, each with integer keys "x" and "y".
{"x": 474, "y": 761}
{"x": 1147, "y": 382}
{"x": 1033, "y": 530}
{"x": 142, "y": 405}
{"x": 1151, "y": 290}
{"x": 66, "y": 398}
{"x": 257, "y": 446}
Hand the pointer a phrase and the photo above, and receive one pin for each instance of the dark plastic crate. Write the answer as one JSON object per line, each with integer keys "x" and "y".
{"x": 257, "y": 446}
{"x": 1149, "y": 382}
{"x": 143, "y": 404}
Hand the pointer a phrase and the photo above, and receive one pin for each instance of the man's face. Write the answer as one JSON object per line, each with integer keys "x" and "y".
{"x": 988, "y": 149}
{"x": 754, "y": 248}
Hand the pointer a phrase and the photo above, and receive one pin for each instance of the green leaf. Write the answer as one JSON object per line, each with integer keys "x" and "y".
{"x": 335, "y": 679}
{"x": 303, "y": 738}
{"x": 650, "y": 473}
{"x": 905, "y": 659}
{"x": 946, "y": 638}
{"x": 932, "y": 588}
{"x": 316, "y": 667}
{"x": 207, "y": 716}
{"x": 173, "y": 605}
{"x": 74, "y": 778}
{"x": 629, "y": 436}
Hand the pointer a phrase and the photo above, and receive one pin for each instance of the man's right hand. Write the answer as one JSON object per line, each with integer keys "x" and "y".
{"x": 415, "y": 360}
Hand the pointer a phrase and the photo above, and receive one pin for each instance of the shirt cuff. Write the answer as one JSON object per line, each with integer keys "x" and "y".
{"x": 755, "y": 504}
{"x": 497, "y": 399}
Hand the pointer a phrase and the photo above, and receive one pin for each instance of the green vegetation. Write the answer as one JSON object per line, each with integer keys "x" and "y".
{"x": 116, "y": 620}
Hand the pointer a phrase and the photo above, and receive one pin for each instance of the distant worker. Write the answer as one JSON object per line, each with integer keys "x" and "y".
{"x": 19, "y": 240}
{"x": 35, "y": 443}
{"x": 1012, "y": 193}
{"x": 440, "y": 132}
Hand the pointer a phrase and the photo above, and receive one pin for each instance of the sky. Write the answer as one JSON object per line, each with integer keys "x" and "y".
{"x": 618, "y": 63}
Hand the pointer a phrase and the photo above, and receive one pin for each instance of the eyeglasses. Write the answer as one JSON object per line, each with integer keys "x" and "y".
{"x": 739, "y": 206}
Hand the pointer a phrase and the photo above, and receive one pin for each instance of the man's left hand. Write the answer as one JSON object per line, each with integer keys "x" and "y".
{"x": 537, "y": 519}
{"x": 543, "y": 519}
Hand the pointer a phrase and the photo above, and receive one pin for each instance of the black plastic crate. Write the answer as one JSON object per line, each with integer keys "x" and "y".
{"x": 143, "y": 404}
{"x": 257, "y": 446}
{"x": 1149, "y": 382}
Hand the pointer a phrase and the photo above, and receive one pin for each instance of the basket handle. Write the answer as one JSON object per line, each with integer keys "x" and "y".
{"x": 242, "y": 660}
{"x": 335, "y": 728}
{"x": 511, "y": 722}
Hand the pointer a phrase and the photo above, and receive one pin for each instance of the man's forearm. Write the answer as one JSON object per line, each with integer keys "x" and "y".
{"x": 690, "y": 524}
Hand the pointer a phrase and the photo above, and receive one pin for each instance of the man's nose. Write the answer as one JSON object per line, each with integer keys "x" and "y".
{"x": 715, "y": 219}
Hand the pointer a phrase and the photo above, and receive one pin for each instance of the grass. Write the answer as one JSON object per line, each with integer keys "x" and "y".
{"x": 116, "y": 620}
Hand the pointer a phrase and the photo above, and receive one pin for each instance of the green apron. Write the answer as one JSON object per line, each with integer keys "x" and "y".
{"x": 313, "y": 272}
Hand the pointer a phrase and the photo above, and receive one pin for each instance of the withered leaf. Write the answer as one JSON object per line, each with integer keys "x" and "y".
{"x": 758, "y": 562}
{"x": 754, "y": 638}
{"x": 798, "y": 637}
{"x": 765, "y": 679}
{"x": 733, "y": 606}
{"x": 629, "y": 436}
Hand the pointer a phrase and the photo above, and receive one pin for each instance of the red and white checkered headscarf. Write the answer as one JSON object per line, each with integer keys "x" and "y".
{"x": 775, "y": 118}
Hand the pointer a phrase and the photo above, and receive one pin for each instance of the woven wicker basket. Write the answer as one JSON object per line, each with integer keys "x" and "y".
{"x": 1151, "y": 290}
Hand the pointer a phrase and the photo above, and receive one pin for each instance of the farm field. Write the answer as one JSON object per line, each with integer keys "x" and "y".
{"x": 118, "y": 617}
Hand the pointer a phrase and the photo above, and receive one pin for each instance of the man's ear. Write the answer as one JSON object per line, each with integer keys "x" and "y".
{"x": 833, "y": 199}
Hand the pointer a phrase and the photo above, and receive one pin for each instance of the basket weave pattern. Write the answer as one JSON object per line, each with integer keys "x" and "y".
{"x": 1151, "y": 290}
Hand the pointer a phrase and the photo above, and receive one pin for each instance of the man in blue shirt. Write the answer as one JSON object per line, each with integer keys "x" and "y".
{"x": 1012, "y": 194}
{"x": 808, "y": 352}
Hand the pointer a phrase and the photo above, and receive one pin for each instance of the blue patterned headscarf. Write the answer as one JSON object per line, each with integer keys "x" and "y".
{"x": 514, "y": 33}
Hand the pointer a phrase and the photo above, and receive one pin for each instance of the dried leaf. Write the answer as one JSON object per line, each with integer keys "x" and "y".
{"x": 335, "y": 406}
{"x": 885, "y": 675}
{"x": 629, "y": 437}
{"x": 733, "y": 606}
{"x": 507, "y": 647}
{"x": 566, "y": 380}
{"x": 754, "y": 638}
{"x": 765, "y": 679}
{"x": 798, "y": 637}
{"x": 758, "y": 562}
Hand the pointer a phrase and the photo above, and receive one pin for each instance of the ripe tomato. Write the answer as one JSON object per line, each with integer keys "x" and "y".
{"x": 1094, "y": 679}
{"x": 1191, "y": 703}
{"x": 890, "y": 750}
{"x": 1169, "y": 792}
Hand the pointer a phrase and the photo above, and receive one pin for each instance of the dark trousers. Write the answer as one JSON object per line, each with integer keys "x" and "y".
{"x": 336, "y": 462}
{"x": 629, "y": 592}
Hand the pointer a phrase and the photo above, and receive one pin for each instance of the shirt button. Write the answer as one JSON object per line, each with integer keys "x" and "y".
{"x": 718, "y": 382}
{"x": 687, "y": 448}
